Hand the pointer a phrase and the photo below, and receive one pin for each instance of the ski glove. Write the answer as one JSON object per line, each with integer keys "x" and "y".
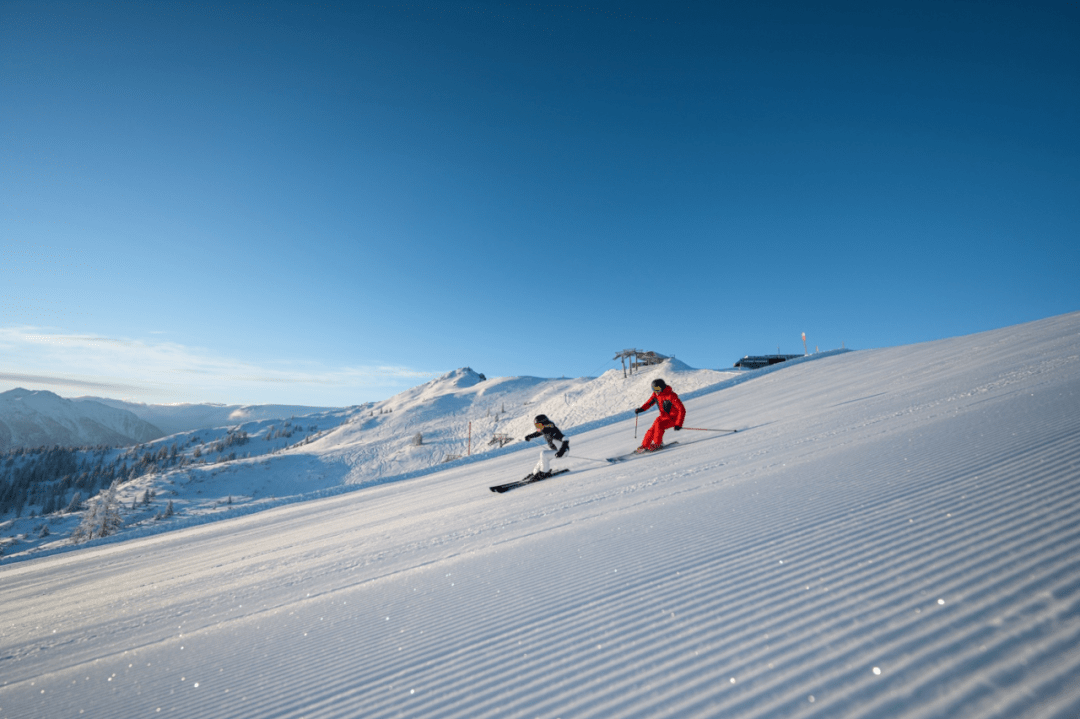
{"x": 677, "y": 427}
{"x": 563, "y": 450}
{"x": 639, "y": 410}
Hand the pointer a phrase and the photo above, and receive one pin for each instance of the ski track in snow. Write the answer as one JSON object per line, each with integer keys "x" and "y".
{"x": 897, "y": 534}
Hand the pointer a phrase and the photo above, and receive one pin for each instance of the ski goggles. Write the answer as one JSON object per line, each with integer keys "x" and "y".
{"x": 538, "y": 425}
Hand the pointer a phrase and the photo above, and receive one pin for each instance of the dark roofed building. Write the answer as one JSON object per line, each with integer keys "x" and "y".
{"x": 760, "y": 361}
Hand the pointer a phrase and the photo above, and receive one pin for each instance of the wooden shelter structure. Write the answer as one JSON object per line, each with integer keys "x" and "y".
{"x": 638, "y": 359}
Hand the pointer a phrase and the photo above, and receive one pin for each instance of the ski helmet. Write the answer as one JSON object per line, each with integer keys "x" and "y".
{"x": 541, "y": 419}
{"x": 658, "y": 385}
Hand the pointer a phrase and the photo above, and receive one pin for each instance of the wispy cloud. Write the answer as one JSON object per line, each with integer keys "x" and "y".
{"x": 163, "y": 371}
{"x": 76, "y": 384}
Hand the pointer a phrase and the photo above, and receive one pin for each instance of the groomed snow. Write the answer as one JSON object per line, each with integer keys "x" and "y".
{"x": 894, "y": 533}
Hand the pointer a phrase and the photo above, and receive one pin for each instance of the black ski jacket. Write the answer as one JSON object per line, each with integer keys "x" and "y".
{"x": 551, "y": 435}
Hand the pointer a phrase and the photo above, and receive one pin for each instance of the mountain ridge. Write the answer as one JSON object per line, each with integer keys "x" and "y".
{"x": 175, "y": 418}
{"x": 32, "y": 418}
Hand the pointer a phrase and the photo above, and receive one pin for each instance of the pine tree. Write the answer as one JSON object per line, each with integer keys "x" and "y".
{"x": 102, "y": 518}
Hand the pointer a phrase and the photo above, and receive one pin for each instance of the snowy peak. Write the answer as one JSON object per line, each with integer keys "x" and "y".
{"x": 462, "y": 378}
{"x": 32, "y": 400}
{"x": 20, "y": 394}
{"x": 451, "y": 383}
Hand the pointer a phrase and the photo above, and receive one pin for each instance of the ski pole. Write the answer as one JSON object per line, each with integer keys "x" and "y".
{"x": 635, "y": 425}
{"x": 699, "y": 429}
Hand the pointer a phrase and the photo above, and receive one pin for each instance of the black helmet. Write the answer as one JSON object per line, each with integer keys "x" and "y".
{"x": 658, "y": 385}
{"x": 541, "y": 419}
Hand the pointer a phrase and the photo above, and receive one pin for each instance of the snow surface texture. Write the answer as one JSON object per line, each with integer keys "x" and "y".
{"x": 896, "y": 533}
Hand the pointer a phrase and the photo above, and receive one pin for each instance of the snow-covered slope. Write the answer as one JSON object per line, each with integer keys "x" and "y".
{"x": 41, "y": 418}
{"x": 459, "y": 414}
{"x": 174, "y": 418}
{"x": 209, "y": 475}
{"x": 895, "y": 533}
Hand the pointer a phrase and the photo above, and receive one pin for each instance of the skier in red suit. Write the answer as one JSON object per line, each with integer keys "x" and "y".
{"x": 672, "y": 414}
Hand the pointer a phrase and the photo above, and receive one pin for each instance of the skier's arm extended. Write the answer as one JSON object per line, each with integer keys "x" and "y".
{"x": 648, "y": 403}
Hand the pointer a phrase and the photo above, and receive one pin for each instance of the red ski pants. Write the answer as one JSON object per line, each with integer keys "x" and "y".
{"x": 655, "y": 435}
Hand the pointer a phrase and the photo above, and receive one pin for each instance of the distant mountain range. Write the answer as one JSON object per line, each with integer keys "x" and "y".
{"x": 173, "y": 418}
{"x": 30, "y": 418}
{"x": 36, "y": 418}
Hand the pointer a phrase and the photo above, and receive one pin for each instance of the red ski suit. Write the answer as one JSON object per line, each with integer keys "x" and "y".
{"x": 672, "y": 414}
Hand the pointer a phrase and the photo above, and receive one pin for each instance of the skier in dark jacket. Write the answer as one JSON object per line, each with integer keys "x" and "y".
{"x": 672, "y": 414}
{"x": 551, "y": 434}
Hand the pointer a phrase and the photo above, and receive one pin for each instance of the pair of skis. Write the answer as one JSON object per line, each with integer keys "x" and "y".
{"x": 532, "y": 478}
{"x": 635, "y": 454}
{"x": 638, "y": 453}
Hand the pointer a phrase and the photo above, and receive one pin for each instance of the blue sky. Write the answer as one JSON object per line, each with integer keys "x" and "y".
{"x": 323, "y": 204}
